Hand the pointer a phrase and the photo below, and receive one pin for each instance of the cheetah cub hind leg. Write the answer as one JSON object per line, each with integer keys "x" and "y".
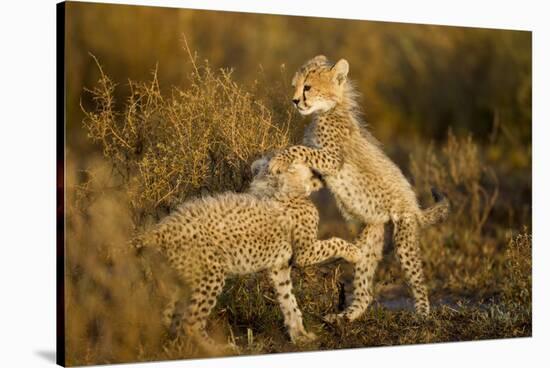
{"x": 371, "y": 243}
{"x": 191, "y": 313}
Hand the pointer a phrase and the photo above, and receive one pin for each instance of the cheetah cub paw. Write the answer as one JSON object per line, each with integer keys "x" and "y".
{"x": 231, "y": 348}
{"x": 304, "y": 337}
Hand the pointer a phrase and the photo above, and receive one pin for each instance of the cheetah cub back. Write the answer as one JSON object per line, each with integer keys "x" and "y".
{"x": 211, "y": 238}
{"x": 367, "y": 185}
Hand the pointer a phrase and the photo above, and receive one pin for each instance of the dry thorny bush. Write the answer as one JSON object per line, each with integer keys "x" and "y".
{"x": 201, "y": 139}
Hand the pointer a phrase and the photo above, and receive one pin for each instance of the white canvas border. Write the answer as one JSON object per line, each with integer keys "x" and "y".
{"x": 27, "y": 151}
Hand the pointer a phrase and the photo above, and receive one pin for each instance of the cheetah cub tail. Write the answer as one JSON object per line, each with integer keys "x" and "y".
{"x": 436, "y": 213}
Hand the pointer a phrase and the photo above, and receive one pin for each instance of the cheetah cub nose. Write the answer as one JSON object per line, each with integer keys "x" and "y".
{"x": 295, "y": 100}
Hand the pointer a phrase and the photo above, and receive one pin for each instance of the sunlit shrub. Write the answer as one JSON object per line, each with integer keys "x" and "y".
{"x": 199, "y": 139}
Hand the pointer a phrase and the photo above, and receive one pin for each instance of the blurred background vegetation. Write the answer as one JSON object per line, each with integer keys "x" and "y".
{"x": 416, "y": 81}
{"x": 452, "y": 106}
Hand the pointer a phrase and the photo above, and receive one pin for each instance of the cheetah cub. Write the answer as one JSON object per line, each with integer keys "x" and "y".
{"x": 367, "y": 185}
{"x": 208, "y": 239}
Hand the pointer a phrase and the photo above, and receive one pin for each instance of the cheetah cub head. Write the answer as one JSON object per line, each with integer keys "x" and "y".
{"x": 297, "y": 181}
{"x": 319, "y": 85}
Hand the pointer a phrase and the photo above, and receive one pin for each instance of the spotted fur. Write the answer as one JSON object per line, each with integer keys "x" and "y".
{"x": 210, "y": 238}
{"x": 367, "y": 185}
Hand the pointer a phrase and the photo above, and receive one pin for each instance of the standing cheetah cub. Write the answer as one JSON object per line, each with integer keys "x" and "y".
{"x": 367, "y": 185}
{"x": 208, "y": 239}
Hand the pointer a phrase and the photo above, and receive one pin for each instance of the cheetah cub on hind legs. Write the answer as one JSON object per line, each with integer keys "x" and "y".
{"x": 208, "y": 239}
{"x": 367, "y": 185}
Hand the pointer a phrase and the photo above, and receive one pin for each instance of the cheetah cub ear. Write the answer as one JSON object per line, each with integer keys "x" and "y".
{"x": 319, "y": 60}
{"x": 340, "y": 71}
{"x": 259, "y": 166}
